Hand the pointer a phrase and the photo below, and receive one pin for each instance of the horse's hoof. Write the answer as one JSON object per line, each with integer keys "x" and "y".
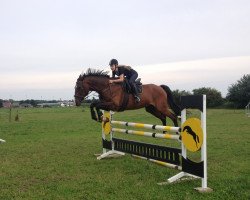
{"x": 104, "y": 119}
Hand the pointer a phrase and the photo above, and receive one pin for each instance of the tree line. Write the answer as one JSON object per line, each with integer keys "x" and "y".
{"x": 32, "y": 102}
{"x": 238, "y": 95}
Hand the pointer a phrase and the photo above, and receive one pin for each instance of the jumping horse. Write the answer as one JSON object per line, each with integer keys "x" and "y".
{"x": 157, "y": 100}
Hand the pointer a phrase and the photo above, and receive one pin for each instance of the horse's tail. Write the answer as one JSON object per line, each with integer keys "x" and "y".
{"x": 172, "y": 104}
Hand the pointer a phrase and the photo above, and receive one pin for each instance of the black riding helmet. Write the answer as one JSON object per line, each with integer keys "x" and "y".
{"x": 113, "y": 62}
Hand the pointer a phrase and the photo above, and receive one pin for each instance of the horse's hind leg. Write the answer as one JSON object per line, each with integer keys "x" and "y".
{"x": 172, "y": 116}
{"x": 164, "y": 110}
{"x": 152, "y": 110}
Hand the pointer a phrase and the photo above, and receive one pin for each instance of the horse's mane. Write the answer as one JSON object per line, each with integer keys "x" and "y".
{"x": 93, "y": 72}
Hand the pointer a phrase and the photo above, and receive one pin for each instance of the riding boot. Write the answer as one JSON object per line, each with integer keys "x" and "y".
{"x": 136, "y": 93}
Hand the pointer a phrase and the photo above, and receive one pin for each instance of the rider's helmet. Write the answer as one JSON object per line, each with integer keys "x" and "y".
{"x": 113, "y": 62}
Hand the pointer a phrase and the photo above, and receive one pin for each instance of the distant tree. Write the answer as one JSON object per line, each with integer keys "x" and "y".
{"x": 33, "y": 102}
{"x": 214, "y": 98}
{"x": 30, "y": 101}
{"x": 1, "y": 103}
{"x": 178, "y": 93}
{"x": 239, "y": 92}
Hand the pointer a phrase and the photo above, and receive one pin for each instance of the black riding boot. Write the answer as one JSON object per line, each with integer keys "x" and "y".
{"x": 136, "y": 93}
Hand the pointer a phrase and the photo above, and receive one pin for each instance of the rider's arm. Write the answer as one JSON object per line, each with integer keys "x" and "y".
{"x": 119, "y": 80}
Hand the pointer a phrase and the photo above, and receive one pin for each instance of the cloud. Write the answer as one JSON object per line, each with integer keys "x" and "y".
{"x": 218, "y": 73}
{"x": 55, "y": 80}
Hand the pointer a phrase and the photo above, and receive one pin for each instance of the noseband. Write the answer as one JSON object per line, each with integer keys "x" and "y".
{"x": 79, "y": 84}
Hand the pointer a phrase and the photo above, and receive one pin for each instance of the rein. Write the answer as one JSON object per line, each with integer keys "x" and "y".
{"x": 81, "y": 96}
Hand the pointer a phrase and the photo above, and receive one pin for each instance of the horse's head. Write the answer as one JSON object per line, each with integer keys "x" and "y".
{"x": 81, "y": 91}
{"x": 92, "y": 80}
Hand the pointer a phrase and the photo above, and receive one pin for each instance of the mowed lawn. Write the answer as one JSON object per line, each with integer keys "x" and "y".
{"x": 49, "y": 154}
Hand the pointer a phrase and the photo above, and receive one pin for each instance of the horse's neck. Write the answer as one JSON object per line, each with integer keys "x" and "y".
{"x": 98, "y": 84}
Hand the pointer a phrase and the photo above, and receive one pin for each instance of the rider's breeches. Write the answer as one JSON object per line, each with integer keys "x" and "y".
{"x": 132, "y": 82}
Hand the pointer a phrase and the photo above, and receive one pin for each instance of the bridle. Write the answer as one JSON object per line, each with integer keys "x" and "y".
{"x": 80, "y": 86}
{"x": 81, "y": 97}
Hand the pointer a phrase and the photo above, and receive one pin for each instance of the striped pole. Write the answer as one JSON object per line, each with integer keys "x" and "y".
{"x": 159, "y": 162}
{"x": 171, "y": 129}
{"x": 2, "y": 141}
{"x": 148, "y": 134}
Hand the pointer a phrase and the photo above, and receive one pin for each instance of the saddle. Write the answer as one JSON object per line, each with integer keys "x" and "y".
{"x": 127, "y": 88}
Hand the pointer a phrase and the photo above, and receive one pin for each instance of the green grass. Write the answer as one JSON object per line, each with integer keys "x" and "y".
{"x": 49, "y": 154}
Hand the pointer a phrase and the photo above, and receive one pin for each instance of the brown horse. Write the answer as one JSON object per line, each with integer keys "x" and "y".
{"x": 157, "y": 100}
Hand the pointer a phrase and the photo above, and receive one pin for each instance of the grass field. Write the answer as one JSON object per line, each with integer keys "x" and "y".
{"x": 49, "y": 154}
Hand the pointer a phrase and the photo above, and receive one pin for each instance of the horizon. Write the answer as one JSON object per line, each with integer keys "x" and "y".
{"x": 233, "y": 68}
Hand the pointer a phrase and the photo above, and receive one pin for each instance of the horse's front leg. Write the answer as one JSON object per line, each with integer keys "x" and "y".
{"x": 104, "y": 106}
{"x": 92, "y": 110}
{"x": 99, "y": 113}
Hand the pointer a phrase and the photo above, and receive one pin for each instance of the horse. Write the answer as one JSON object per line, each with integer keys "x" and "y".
{"x": 157, "y": 100}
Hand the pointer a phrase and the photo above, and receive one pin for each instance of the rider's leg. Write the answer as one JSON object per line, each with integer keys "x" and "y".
{"x": 133, "y": 86}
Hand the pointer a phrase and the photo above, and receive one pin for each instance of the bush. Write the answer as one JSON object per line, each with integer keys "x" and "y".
{"x": 239, "y": 93}
{"x": 214, "y": 98}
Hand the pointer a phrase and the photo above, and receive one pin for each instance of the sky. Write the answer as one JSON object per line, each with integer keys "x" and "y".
{"x": 185, "y": 44}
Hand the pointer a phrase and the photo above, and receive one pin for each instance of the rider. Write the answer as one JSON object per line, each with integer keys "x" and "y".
{"x": 124, "y": 71}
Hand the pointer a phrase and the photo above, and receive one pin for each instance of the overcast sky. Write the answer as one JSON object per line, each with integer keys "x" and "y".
{"x": 46, "y": 44}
